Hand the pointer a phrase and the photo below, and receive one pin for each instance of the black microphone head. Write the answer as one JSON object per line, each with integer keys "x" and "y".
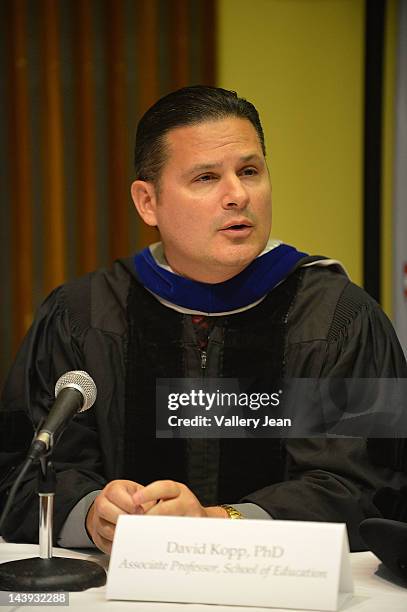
{"x": 77, "y": 379}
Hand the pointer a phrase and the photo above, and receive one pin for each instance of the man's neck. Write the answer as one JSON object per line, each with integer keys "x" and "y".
{"x": 215, "y": 277}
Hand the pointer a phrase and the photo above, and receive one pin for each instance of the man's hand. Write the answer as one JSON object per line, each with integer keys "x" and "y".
{"x": 169, "y": 498}
{"x": 115, "y": 499}
{"x": 163, "y": 497}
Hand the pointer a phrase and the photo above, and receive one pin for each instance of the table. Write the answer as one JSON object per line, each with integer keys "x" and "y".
{"x": 375, "y": 589}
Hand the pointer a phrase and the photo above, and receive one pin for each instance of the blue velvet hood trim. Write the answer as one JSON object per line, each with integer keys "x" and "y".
{"x": 254, "y": 282}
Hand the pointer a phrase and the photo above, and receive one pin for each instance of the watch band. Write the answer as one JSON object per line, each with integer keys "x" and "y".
{"x": 232, "y": 512}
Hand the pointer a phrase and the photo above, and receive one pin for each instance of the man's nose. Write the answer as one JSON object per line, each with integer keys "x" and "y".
{"x": 235, "y": 195}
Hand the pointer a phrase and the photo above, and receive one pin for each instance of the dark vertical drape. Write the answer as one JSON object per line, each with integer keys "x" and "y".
{"x": 374, "y": 60}
{"x": 53, "y": 247}
{"x": 84, "y": 104}
{"x": 79, "y": 74}
{"x": 148, "y": 57}
{"x": 19, "y": 146}
{"x": 117, "y": 125}
{"x": 179, "y": 42}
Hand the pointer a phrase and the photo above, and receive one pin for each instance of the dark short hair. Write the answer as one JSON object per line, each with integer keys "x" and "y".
{"x": 186, "y": 106}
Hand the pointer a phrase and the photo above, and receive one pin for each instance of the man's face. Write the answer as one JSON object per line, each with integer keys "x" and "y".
{"x": 213, "y": 208}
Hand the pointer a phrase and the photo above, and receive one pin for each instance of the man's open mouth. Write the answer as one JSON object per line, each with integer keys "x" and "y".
{"x": 237, "y": 227}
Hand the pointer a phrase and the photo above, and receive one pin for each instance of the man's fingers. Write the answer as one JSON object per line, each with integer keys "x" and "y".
{"x": 104, "y": 509}
{"x": 103, "y": 543}
{"x": 120, "y": 494}
{"x": 171, "y": 498}
{"x": 131, "y": 486}
{"x": 115, "y": 499}
{"x": 160, "y": 489}
{"x": 170, "y": 507}
{"x": 101, "y": 531}
{"x": 160, "y": 498}
{"x": 106, "y": 529}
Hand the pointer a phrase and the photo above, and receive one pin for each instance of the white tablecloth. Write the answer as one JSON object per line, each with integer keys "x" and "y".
{"x": 375, "y": 589}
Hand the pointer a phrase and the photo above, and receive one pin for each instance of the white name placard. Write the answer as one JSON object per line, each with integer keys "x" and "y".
{"x": 285, "y": 564}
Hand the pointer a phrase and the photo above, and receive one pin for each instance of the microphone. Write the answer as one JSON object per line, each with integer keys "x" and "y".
{"x": 74, "y": 392}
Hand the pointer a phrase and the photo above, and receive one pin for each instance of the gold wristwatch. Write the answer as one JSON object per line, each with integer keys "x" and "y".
{"x": 232, "y": 512}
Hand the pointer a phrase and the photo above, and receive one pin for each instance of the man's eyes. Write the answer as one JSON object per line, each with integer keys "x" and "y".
{"x": 249, "y": 171}
{"x": 205, "y": 178}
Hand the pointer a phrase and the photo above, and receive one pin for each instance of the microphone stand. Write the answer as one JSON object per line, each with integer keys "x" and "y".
{"x": 47, "y": 573}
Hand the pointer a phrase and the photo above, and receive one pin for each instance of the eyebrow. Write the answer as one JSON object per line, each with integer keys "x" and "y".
{"x": 211, "y": 166}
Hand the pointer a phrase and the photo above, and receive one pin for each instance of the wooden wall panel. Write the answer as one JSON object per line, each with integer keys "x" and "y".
{"x": 147, "y": 67}
{"x": 54, "y": 219}
{"x": 147, "y": 53}
{"x": 209, "y": 35}
{"x": 86, "y": 145}
{"x": 117, "y": 129}
{"x": 20, "y": 151}
{"x": 179, "y": 43}
{"x": 69, "y": 121}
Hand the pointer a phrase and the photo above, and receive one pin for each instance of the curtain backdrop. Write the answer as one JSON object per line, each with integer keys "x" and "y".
{"x": 400, "y": 184}
{"x": 75, "y": 77}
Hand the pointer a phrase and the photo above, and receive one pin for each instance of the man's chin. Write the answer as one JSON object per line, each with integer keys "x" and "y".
{"x": 220, "y": 266}
{"x": 240, "y": 256}
{"x": 228, "y": 268}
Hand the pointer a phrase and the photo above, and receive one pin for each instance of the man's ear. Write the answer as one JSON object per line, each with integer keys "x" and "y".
{"x": 145, "y": 200}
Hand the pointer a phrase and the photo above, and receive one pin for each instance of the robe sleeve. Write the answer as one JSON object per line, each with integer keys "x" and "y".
{"x": 51, "y": 348}
{"x": 336, "y": 479}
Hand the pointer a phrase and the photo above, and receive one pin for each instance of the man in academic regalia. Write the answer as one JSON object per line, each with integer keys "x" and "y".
{"x": 215, "y": 298}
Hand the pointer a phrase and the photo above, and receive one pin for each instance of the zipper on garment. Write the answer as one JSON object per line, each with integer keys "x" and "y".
{"x": 203, "y": 360}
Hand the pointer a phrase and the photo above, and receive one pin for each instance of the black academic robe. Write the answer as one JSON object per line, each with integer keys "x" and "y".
{"x": 314, "y": 324}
